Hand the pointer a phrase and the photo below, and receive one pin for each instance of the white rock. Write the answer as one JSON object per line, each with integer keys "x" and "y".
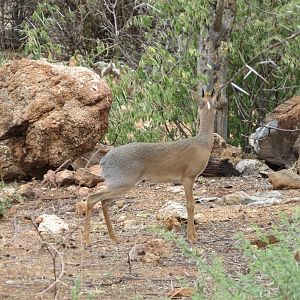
{"x": 175, "y": 189}
{"x": 264, "y": 198}
{"x": 206, "y": 199}
{"x": 260, "y": 133}
{"x": 172, "y": 208}
{"x": 234, "y": 198}
{"x": 251, "y": 166}
{"x": 51, "y": 224}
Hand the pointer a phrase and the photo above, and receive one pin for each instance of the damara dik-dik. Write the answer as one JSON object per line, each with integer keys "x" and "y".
{"x": 178, "y": 161}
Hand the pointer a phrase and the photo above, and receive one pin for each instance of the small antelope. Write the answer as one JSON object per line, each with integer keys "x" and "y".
{"x": 178, "y": 161}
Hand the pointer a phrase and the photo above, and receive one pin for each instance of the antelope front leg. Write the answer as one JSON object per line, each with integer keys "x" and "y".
{"x": 190, "y": 201}
{"x": 105, "y": 209}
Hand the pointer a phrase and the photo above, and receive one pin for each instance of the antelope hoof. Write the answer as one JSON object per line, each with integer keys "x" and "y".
{"x": 114, "y": 238}
{"x": 87, "y": 240}
{"x": 192, "y": 237}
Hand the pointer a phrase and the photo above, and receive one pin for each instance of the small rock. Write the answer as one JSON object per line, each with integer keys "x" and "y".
{"x": 150, "y": 258}
{"x": 85, "y": 178}
{"x": 136, "y": 252}
{"x": 96, "y": 170}
{"x": 179, "y": 293}
{"x": 251, "y": 166}
{"x": 27, "y": 191}
{"x": 150, "y": 252}
{"x": 264, "y": 198}
{"x": 51, "y": 224}
{"x": 172, "y": 208}
{"x": 284, "y": 179}
{"x": 233, "y": 199}
{"x": 268, "y": 194}
{"x": 175, "y": 189}
{"x": 206, "y": 199}
{"x": 120, "y": 203}
{"x": 49, "y": 179}
{"x": 172, "y": 223}
{"x": 30, "y": 234}
{"x": 159, "y": 247}
{"x": 130, "y": 224}
{"x": 198, "y": 218}
{"x": 100, "y": 185}
{"x": 269, "y": 240}
{"x": 80, "y": 208}
{"x": 65, "y": 178}
{"x": 228, "y": 186}
{"x": 72, "y": 188}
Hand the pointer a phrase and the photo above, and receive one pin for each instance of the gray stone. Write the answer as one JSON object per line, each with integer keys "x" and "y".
{"x": 251, "y": 167}
{"x": 264, "y": 198}
{"x": 65, "y": 177}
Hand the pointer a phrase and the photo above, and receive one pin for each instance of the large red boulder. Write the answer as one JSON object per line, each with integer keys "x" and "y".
{"x": 49, "y": 113}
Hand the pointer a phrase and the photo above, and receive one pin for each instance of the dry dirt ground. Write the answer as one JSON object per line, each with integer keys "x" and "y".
{"x": 102, "y": 270}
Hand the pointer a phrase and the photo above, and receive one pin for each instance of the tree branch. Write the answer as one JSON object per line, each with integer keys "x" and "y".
{"x": 292, "y": 36}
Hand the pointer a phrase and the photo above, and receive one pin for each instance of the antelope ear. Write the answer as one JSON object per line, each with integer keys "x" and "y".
{"x": 196, "y": 97}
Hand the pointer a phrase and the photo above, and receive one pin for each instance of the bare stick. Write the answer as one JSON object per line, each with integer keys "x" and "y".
{"x": 53, "y": 253}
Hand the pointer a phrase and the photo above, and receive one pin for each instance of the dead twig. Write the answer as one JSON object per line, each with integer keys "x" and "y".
{"x": 49, "y": 177}
{"x": 53, "y": 252}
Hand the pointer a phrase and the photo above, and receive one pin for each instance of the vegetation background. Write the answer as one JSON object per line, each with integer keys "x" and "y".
{"x": 155, "y": 45}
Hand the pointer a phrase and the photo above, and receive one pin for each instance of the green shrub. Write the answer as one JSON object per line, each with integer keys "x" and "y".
{"x": 5, "y": 204}
{"x": 2, "y": 59}
{"x": 273, "y": 271}
{"x": 5, "y": 201}
{"x": 8, "y": 196}
{"x": 38, "y": 41}
{"x": 76, "y": 290}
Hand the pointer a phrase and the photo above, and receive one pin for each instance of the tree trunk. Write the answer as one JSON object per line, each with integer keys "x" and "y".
{"x": 213, "y": 59}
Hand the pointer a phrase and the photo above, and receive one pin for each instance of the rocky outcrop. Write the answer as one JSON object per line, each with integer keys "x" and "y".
{"x": 274, "y": 142}
{"x": 49, "y": 113}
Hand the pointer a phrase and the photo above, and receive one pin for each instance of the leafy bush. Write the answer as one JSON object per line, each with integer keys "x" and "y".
{"x": 158, "y": 42}
{"x": 76, "y": 289}
{"x": 8, "y": 196}
{"x": 2, "y": 59}
{"x": 273, "y": 270}
{"x": 37, "y": 32}
{"x": 152, "y": 102}
{"x": 260, "y": 38}
{"x": 5, "y": 204}
{"x": 160, "y": 107}
{"x": 5, "y": 201}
